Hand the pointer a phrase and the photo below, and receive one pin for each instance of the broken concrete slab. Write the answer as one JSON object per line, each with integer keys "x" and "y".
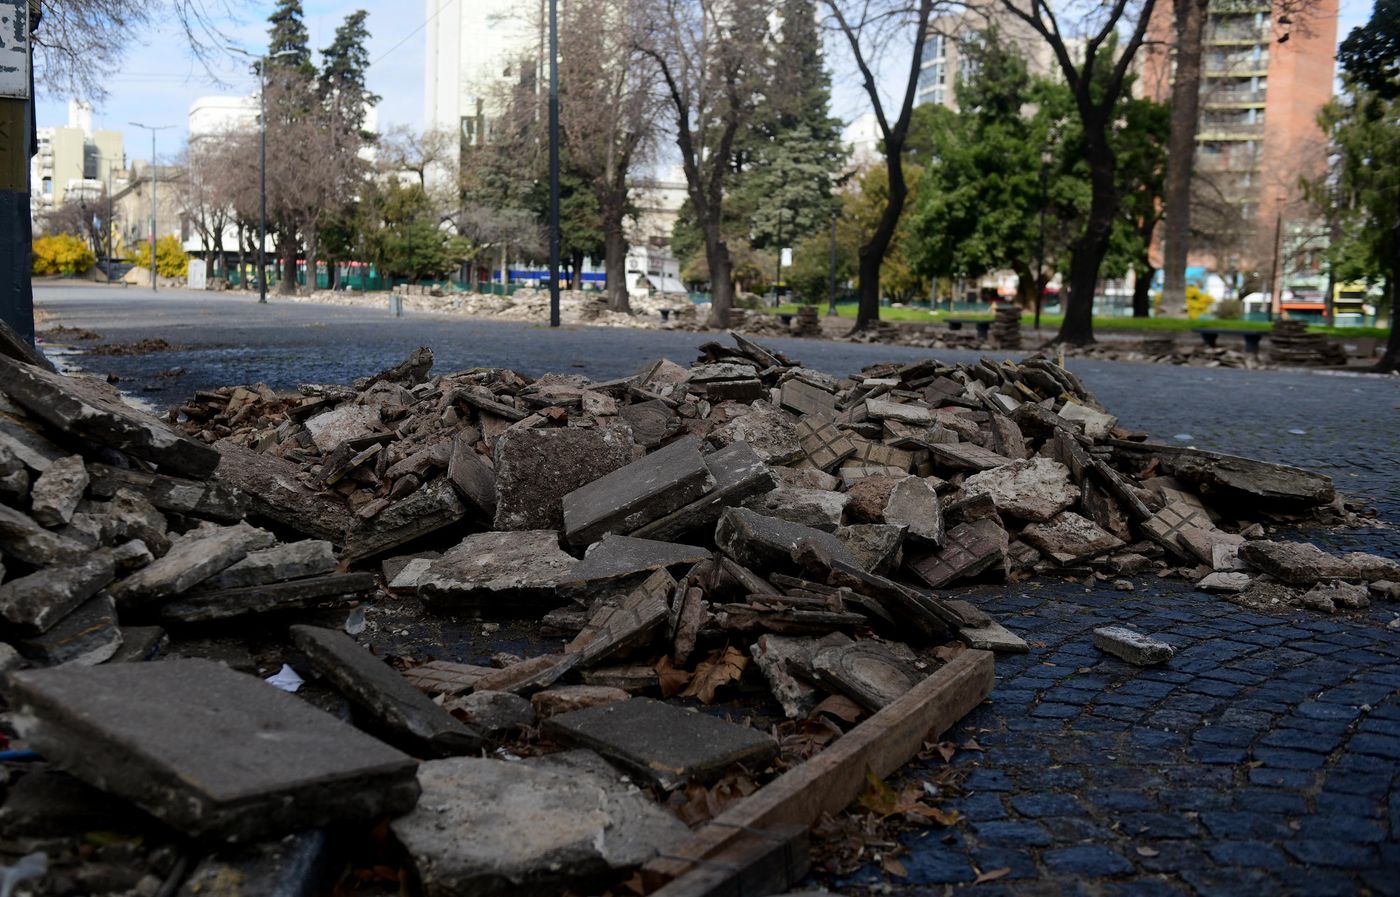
{"x": 786, "y": 663}
{"x": 1269, "y": 485}
{"x": 1069, "y": 539}
{"x": 914, "y": 504}
{"x": 1175, "y": 519}
{"x": 291, "y": 560}
{"x": 1134, "y": 647}
{"x": 640, "y": 493}
{"x": 568, "y": 698}
{"x": 55, "y": 494}
{"x": 739, "y": 474}
{"x": 299, "y": 865}
{"x": 1096, "y": 424}
{"x": 965, "y": 456}
{"x": 275, "y": 492}
{"x": 807, "y": 400}
{"x": 535, "y": 830}
{"x": 472, "y": 475}
{"x": 529, "y": 676}
{"x": 1328, "y": 596}
{"x": 652, "y": 422}
{"x": 867, "y": 672}
{"x": 192, "y": 558}
{"x": 769, "y": 543}
{"x": 1371, "y": 567}
{"x": 211, "y": 752}
{"x": 86, "y": 636}
{"x": 823, "y": 443}
{"x": 344, "y": 424}
{"x": 1227, "y": 581}
{"x": 377, "y": 688}
{"x": 992, "y": 636}
{"x": 23, "y": 538}
{"x": 621, "y": 557}
{"x": 446, "y": 677}
{"x": 662, "y": 743}
{"x": 496, "y": 714}
{"x": 34, "y": 603}
{"x": 1034, "y": 490}
{"x": 299, "y": 594}
{"x": 883, "y": 409}
{"x": 612, "y": 629}
{"x": 498, "y": 572}
{"x": 1297, "y": 563}
{"x": 767, "y": 430}
{"x": 817, "y": 508}
{"x": 878, "y": 547}
{"x": 92, "y": 411}
{"x": 536, "y": 468}
{"x": 432, "y": 508}
{"x": 969, "y": 549}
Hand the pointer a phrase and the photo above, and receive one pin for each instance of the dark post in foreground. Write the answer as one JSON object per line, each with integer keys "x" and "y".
{"x": 553, "y": 163}
{"x": 16, "y": 137}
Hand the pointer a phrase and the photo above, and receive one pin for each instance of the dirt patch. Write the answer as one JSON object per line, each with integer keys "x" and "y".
{"x": 66, "y": 333}
{"x": 144, "y": 347}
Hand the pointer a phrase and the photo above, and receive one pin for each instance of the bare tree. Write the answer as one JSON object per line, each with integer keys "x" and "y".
{"x": 204, "y": 200}
{"x": 402, "y": 149}
{"x": 1111, "y": 33}
{"x": 79, "y": 216}
{"x": 607, "y": 109}
{"x": 713, "y": 59}
{"x": 869, "y": 28}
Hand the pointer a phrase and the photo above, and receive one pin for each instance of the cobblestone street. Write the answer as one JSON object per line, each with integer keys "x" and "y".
{"x": 1263, "y": 759}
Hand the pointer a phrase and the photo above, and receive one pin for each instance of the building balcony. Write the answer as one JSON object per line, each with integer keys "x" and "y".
{"x": 1233, "y": 131}
{"x": 1233, "y": 99}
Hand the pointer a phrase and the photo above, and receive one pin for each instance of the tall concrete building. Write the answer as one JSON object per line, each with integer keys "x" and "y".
{"x": 949, "y": 49}
{"x": 73, "y": 160}
{"x": 475, "y": 50}
{"x": 1257, "y": 135}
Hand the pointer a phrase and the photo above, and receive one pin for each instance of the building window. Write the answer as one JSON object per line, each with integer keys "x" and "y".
{"x": 48, "y": 186}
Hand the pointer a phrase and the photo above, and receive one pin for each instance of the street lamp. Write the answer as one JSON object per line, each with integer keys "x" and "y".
{"x": 831, "y": 280}
{"x": 1046, "y": 157}
{"x": 153, "y": 129}
{"x": 553, "y": 163}
{"x": 262, "y": 162}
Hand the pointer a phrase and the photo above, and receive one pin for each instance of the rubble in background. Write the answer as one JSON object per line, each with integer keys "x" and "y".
{"x": 680, "y": 533}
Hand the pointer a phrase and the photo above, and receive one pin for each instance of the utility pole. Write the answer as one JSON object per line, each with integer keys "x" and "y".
{"x": 1045, "y": 159}
{"x": 153, "y": 129}
{"x": 16, "y": 147}
{"x": 831, "y": 280}
{"x": 109, "y": 220}
{"x": 553, "y": 163}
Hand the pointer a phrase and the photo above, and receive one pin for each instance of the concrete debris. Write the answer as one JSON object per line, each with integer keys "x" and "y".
{"x": 704, "y": 533}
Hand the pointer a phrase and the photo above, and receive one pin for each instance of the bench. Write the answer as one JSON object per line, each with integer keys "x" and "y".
{"x": 665, "y": 314}
{"x": 786, "y": 318}
{"x": 1209, "y": 335}
{"x": 984, "y": 328}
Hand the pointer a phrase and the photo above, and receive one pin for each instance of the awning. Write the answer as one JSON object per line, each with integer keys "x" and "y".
{"x": 665, "y": 284}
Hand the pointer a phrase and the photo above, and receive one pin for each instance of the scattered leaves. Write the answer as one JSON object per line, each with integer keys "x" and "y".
{"x": 991, "y": 875}
{"x": 841, "y": 707}
{"x": 893, "y": 867}
{"x": 672, "y": 679}
{"x": 884, "y": 801}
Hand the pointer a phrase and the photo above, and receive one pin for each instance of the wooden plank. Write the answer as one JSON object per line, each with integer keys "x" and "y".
{"x": 766, "y": 862}
{"x": 831, "y": 780}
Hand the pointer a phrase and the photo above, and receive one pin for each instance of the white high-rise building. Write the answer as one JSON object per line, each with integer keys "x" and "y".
{"x": 475, "y": 49}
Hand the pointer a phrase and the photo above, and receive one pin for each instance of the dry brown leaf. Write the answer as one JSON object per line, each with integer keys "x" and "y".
{"x": 721, "y": 668}
{"x": 946, "y": 653}
{"x": 991, "y": 875}
{"x": 971, "y": 745}
{"x": 946, "y": 750}
{"x": 672, "y": 679}
{"x": 841, "y": 707}
{"x": 1148, "y": 852}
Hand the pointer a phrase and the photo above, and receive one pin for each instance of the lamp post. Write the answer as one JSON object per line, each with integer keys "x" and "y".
{"x": 553, "y": 163}
{"x": 831, "y": 280}
{"x": 1046, "y": 157}
{"x": 262, "y": 62}
{"x": 153, "y": 129}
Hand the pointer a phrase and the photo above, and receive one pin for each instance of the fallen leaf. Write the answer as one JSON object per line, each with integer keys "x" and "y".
{"x": 946, "y": 653}
{"x": 673, "y": 680}
{"x": 721, "y": 668}
{"x": 991, "y": 875}
{"x": 971, "y": 745}
{"x": 841, "y": 707}
{"x": 893, "y": 866}
{"x": 946, "y": 750}
{"x": 1148, "y": 852}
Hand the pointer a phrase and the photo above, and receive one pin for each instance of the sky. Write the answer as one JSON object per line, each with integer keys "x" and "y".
{"x": 160, "y": 77}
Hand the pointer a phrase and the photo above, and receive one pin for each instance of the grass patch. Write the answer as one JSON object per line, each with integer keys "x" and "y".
{"x": 1159, "y": 325}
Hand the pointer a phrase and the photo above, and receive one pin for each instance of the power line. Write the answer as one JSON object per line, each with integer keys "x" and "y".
{"x": 406, "y": 37}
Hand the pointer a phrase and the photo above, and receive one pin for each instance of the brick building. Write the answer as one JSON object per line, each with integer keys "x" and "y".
{"x": 1257, "y": 135}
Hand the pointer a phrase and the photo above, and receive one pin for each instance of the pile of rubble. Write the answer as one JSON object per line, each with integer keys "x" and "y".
{"x": 682, "y": 534}
{"x": 1006, "y": 329}
{"x": 1291, "y": 344}
{"x": 524, "y": 304}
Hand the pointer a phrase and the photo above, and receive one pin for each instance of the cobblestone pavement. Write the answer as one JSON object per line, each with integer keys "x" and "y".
{"x": 1263, "y": 759}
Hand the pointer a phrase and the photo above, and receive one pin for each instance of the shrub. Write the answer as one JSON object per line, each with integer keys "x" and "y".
{"x": 1229, "y": 309}
{"x": 62, "y": 254}
{"x": 1197, "y": 302}
{"x": 171, "y": 260}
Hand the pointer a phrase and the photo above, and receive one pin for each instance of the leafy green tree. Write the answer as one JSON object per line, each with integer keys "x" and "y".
{"x": 1363, "y": 124}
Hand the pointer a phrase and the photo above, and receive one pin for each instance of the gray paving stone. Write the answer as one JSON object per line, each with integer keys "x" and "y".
{"x": 536, "y": 468}
{"x": 22, "y": 537}
{"x": 227, "y": 604}
{"x": 643, "y": 491}
{"x": 660, "y": 742}
{"x": 1131, "y": 646}
{"x": 498, "y": 573}
{"x": 867, "y": 672}
{"x": 291, "y": 560}
{"x": 739, "y": 474}
{"x": 914, "y": 503}
{"x": 768, "y": 543}
{"x": 1034, "y": 490}
{"x": 35, "y": 603}
{"x": 379, "y": 689}
{"x": 534, "y": 830}
{"x": 620, "y": 557}
{"x": 87, "y": 635}
{"x": 192, "y": 558}
{"x": 211, "y": 752}
{"x": 55, "y": 494}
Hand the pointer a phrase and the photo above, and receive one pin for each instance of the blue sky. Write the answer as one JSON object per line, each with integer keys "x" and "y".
{"x": 159, "y": 77}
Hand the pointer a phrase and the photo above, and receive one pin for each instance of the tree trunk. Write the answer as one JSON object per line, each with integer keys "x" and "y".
{"x": 1390, "y": 361}
{"x": 288, "y": 285}
{"x": 1025, "y": 287}
{"x": 615, "y": 263}
{"x": 1089, "y": 248}
{"x": 1181, "y": 148}
{"x": 576, "y": 261}
{"x": 312, "y": 261}
{"x": 1142, "y": 290}
{"x": 242, "y": 260}
{"x": 872, "y": 254}
{"x": 721, "y": 278}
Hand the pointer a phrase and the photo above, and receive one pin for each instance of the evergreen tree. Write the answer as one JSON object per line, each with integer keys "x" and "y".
{"x": 795, "y": 149}
{"x": 289, "y": 44}
{"x": 344, "y": 66}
